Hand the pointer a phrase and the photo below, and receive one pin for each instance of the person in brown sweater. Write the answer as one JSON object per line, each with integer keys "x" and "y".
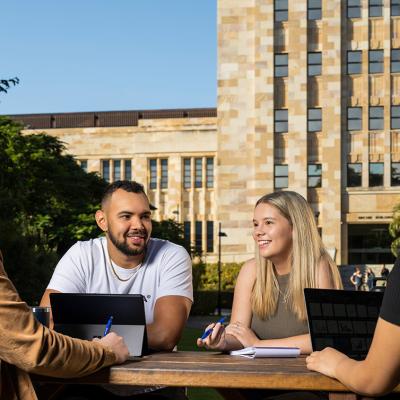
{"x": 26, "y": 346}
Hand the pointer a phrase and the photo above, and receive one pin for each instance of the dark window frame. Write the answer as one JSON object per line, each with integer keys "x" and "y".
{"x": 128, "y": 170}
{"x": 395, "y": 174}
{"x": 395, "y": 8}
{"x": 354, "y": 66}
{"x": 209, "y": 172}
{"x": 312, "y": 182}
{"x": 394, "y": 61}
{"x": 210, "y": 236}
{"x": 105, "y": 166}
{"x": 187, "y": 173}
{"x": 375, "y": 8}
{"x": 164, "y": 173}
{"x": 314, "y": 67}
{"x": 281, "y": 176}
{"x": 279, "y": 121}
{"x": 375, "y": 66}
{"x": 310, "y": 120}
{"x": 354, "y": 175}
{"x": 374, "y": 120}
{"x": 354, "y": 8}
{"x": 281, "y": 13}
{"x": 198, "y": 172}
{"x": 153, "y": 173}
{"x": 375, "y": 179}
{"x": 314, "y": 11}
{"x": 354, "y": 122}
{"x": 395, "y": 117}
{"x": 281, "y": 69}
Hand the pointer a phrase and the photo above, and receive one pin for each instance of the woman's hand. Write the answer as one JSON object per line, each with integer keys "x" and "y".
{"x": 242, "y": 333}
{"x": 325, "y": 361}
{"x": 216, "y": 339}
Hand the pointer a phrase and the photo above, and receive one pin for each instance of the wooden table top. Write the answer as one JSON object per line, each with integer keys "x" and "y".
{"x": 208, "y": 369}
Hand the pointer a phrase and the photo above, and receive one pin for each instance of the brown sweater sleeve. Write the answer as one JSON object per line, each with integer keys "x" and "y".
{"x": 34, "y": 348}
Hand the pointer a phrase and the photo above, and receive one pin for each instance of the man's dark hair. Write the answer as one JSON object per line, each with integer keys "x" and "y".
{"x": 128, "y": 186}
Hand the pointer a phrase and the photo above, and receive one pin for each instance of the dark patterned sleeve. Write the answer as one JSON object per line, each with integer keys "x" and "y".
{"x": 390, "y": 310}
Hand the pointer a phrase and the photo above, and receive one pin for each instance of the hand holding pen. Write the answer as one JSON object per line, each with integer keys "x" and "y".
{"x": 214, "y": 336}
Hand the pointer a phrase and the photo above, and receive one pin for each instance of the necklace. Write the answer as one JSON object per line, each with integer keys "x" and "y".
{"x": 284, "y": 296}
{"x": 122, "y": 279}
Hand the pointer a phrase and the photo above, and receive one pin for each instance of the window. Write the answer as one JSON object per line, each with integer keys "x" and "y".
{"x": 198, "y": 236}
{"x": 105, "y": 170}
{"x": 314, "y": 121}
{"x": 128, "y": 170}
{"x": 198, "y": 172}
{"x": 117, "y": 170}
{"x": 395, "y": 174}
{"x": 186, "y": 234}
{"x": 354, "y": 62}
{"x": 375, "y": 118}
{"x": 281, "y": 10}
{"x": 354, "y": 174}
{"x": 187, "y": 173}
{"x": 395, "y": 8}
{"x": 375, "y": 8}
{"x": 210, "y": 236}
{"x": 354, "y": 118}
{"x": 314, "y": 9}
{"x": 210, "y": 172}
{"x": 281, "y": 65}
{"x": 395, "y": 117}
{"x": 153, "y": 173}
{"x": 84, "y": 165}
{"x": 314, "y": 64}
{"x": 353, "y": 8}
{"x": 375, "y": 61}
{"x": 314, "y": 175}
{"x": 281, "y": 176}
{"x": 164, "y": 173}
{"x": 281, "y": 121}
{"x": 376, "y": 174}
{"x": 395, "y": 60}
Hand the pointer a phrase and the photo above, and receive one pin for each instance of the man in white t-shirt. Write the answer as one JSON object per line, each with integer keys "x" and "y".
{"x": 127, "y": 260}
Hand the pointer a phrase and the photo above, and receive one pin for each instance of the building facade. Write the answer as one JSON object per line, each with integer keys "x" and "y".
{"x": 308, "y": 100}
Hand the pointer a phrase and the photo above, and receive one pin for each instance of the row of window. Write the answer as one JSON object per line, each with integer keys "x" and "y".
{"x": 314, "y": 175}
{"x": 354, "y": 62}
{"x": 375, "y": 61}
{"x": 354, "y": 7}
{"x": 113, "y": 170}
{"x": 375, "y": 175}
{"x": 375, "y": 118}
{"x": 354, "y": 119}
{"x": 314, "y": 120}
{"x": 198, "y": 235}
{"x": 116, "y": 170}
{"x": 281, "y": 176}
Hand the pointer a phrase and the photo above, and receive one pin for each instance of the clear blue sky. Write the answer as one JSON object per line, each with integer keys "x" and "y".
{"x": 98, "y": 55}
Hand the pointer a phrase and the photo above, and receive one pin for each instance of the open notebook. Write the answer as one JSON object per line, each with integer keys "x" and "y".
{"x": 256, "y": 352}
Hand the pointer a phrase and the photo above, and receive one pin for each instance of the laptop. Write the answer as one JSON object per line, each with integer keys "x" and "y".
{"x": 85, "y": 316}
{"x": 342, "y": 319}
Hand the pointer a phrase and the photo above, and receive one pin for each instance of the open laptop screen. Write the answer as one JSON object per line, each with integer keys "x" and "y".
{"x": 85, "y": 316}
{"x": 344, "y": 320}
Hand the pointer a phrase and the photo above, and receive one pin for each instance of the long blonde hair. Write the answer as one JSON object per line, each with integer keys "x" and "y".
{"x": 307, "y": 253}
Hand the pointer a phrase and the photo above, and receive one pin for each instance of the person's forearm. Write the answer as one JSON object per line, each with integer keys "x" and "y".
{"x": 303, "y": 342}
{"x": 161, "y": 338}
{"x": 359, "y": 377}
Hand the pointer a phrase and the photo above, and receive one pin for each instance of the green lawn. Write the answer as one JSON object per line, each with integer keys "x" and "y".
{"x": 188, "y": 342}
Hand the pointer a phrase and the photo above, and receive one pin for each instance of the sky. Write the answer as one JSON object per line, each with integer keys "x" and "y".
{"x": 98, "y": 55}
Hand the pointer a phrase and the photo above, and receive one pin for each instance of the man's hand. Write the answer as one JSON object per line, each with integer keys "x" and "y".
{"x": 116, "y": 344}
{"x": 325, "y": 361}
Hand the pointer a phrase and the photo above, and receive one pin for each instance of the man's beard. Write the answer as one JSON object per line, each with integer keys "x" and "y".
{"x": 123, "y": 246}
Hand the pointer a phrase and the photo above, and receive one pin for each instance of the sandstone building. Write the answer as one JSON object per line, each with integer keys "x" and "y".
{"x": 308, "y": 99}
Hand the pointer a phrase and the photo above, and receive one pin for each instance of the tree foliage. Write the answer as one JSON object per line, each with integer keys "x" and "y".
{"x": 5, "y": 84}
{"x": 394, "y": 230}
{"x": 46, "y": 204}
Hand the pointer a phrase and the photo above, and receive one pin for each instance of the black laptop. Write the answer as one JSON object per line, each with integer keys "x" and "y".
{"x": 342, "y": 319}
{"x": 85, "y": 316}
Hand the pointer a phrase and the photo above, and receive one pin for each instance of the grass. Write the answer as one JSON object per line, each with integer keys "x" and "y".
{"x": 188, "y": 343}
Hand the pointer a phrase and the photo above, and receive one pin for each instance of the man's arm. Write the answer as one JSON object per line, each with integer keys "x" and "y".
{"x": 170, "y": 315}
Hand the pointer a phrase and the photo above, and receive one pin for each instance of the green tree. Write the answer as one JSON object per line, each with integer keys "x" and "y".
{"x": 394, "y": 230}
{"x": 46, "y": 203}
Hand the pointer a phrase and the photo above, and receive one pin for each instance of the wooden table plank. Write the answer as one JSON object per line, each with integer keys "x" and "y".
{"x": 207, "y": 369}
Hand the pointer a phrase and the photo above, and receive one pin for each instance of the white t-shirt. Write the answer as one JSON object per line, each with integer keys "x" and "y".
{"x": 85, "y": 268}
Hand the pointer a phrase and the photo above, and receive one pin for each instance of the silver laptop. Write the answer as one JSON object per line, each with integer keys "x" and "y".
{"x": 85, "y": 316}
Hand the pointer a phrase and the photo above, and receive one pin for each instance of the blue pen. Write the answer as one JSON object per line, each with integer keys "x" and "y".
{"x": 108, "y": 326}
{"x": 208, "y": 331}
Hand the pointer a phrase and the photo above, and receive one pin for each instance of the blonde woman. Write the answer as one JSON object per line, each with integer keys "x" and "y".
{"x": 268, "y": 306}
